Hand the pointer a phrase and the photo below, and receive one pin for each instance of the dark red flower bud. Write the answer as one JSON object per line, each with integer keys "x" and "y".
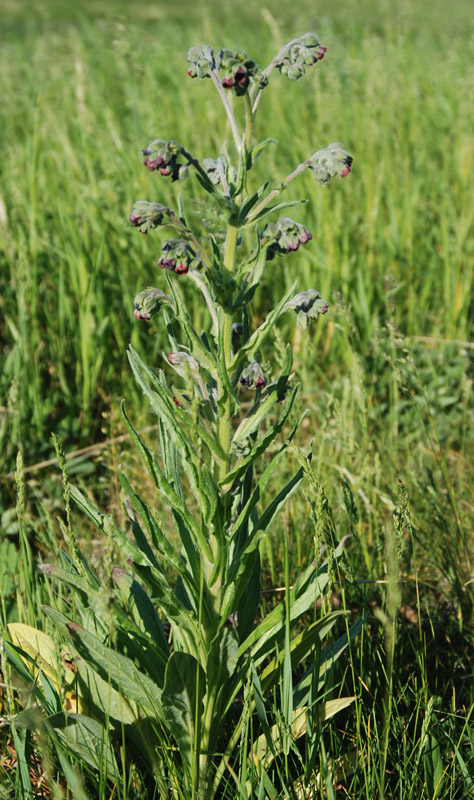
{"x": 241, "y": 76}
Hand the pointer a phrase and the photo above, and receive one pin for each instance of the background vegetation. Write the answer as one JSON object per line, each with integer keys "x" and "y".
{"x": 387, "y": 374}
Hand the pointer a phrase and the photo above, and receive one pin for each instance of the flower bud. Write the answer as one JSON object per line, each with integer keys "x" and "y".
{"x": 148, "y": 302}
{"x": 331, "y": 161}
{"x": 201, "y": 61}
{"x": 146, "y": 215}
{"x": 184, "y": 364}
{"x": 284, "y": 236}
{"x": 253, "y": 376}
{"x": 178, "y": 256}
{"x": 238, "y": 70}
{"x": 304, "y": 52}
{"x": 163, "y": 156}
{"x": 307, "y": 305}
{"x": 292, "y": 71}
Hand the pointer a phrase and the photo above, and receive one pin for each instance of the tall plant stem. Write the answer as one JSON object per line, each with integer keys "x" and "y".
{"x": 228, "y": 109}
{"x": 224, "y": 429}
{"x": 248, "y": 122}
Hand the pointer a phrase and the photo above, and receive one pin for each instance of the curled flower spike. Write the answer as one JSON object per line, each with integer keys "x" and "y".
{"x": 201, "y": 61}
{"x": 253, "y": 376}
{"x": 284, "y": 236}
{"x": 146, "y": 215}
{"x": 307, "y": 305}
{"x": 331, "y": 161}
{"x": 304, "y": 52}
{"x": 178, "y": 256}
{"x": 238, "y": 70}
{"x": 148, "y": 302}
{"x": 163, "y": 156}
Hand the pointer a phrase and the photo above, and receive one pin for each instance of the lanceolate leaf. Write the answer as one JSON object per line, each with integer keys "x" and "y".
{"x": 259, "y": 337}
{"x": 300, "y": 646}
{"x": 262, "y": 443}
{"x": 88, "y": 739}
{"x": 173, "y": 499}
{"x": 161, "y": 541}
{"x": 183, "y": 693}
{"x": 327, "y": 658}
{"x": 277, "y": 207}
{"x": 263, "y": 756}
{"x": 253, "y": 199}
{"x": 302, "y": 596}
{"x": 122, "y": 673}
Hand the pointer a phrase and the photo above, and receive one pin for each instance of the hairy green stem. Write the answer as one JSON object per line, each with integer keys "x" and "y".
{"x": 278, "y": 190}
{"x": 249, "y": 122}
{"x": 224, "y": 425}
{"x": 228, "y": 108}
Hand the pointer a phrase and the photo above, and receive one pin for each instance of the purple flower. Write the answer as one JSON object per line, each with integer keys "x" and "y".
{"x": 148, "y": 302}
{"x": 178, "y": 256}
{"x": 284, "y": 236}
{"x": 164, "y": 156}
{"x": 307, "y": 305}
{"x": 333, "y": 160}
{"x": 253, "y": 376}
{"x": 146, "y": 215}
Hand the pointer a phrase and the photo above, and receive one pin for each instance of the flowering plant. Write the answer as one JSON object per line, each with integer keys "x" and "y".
{"x": 189, "y": 661}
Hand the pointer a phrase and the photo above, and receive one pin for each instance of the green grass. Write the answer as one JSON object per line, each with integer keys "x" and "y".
{"x": 387, "y": 374}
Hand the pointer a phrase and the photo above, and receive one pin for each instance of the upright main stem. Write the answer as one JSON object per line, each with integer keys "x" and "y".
{"x": 224, "y": 425}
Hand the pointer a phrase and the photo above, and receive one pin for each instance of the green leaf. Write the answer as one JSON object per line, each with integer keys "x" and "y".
{"x": 258, "y": 338}
{"x": 328, "y": 657}
{"x": 433, "y": 766}
{"x": 23, "y": 787}
{"x": 303, "y": 595}
{"x": 257, "y": 149}
{"x": 277, "y": 207}
{"x": 263, "y": 442}
{"x": 252, "y": 200}
{"x": 117, "y": 669}
{"x": 202, "y": 355}
{"x": 325, "y": 711}
{"x": 162, "y": 543}
{"x": 182, "y": 701}
{"x": 171, "y": 497}
{"x": 300, "y": 647}
{"x": 142, "y": 607}
{"x": 87, "y": 739}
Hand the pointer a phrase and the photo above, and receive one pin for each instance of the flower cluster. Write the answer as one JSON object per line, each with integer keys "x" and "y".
{"x": 164, "y": 157}
{"x": 302, "y": 53}
{"x": 238, "y": 69}
{"x": 253, "y": 376}
{"x": 178, "y": 256}
{"x": 146, "y": 215}
{"x": 331, "y": 161}
{"x": 283, "y": 236}
{"x": 307, "y": 305}
{"x": 148, "y": 302}
{"x": 201, "y": 61}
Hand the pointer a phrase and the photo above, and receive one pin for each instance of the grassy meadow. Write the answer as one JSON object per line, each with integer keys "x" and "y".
{"x": 387, "y": 374}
